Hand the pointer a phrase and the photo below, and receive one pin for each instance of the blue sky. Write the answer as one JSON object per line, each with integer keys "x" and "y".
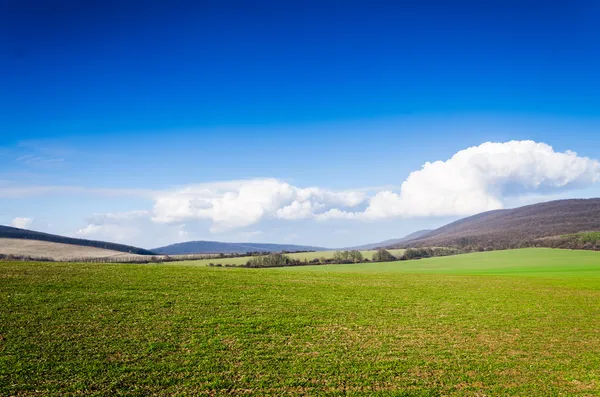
{"x": 155, "y": 122}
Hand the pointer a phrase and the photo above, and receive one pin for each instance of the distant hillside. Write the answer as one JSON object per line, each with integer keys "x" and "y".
{"x": 391, "y": 242}
{"x": 25, "y": 248}
{"x": 8, "y": 232}
{"x": 215, "y": 247}
{"x": 518, "y": 227}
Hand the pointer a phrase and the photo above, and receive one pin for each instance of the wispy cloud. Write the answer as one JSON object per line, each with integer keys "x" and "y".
{"x": 38, "y": 153}
{"x": 37, "y": 160}
{"x": 10, "y": 190}
{"x": 46, "y": 148}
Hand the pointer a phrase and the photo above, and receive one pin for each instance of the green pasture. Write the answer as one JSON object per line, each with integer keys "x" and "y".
{"x": 507, "y": 323}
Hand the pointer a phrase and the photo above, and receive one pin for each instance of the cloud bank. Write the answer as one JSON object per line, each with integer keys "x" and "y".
{"x": 237, "y": 204}
{"x": 473, "y": 180}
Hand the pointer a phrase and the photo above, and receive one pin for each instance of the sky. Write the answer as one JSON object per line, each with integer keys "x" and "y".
{"x": 331, "y": 123}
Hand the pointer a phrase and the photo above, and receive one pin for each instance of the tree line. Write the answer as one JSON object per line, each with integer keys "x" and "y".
{"x": 341, "y": 257}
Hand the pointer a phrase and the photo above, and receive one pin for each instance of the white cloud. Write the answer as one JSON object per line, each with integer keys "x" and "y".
{"x": 21, "y": 223}
{"x": 110, "y": 232}
{"x": 336, "y": 213}
{"x": 116, "y": 226}
{"x": 134, "y": 227}
{"x": 298, "y": 210}
{"x": 237, "y": 204}
{"x": 482, "y": 177}
{"x": 118, "y": 217}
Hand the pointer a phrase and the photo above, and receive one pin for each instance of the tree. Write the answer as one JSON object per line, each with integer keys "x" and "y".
{"x": 271, "y": 260}
{"x": 340, "y": 256}
{"x": 356, "y": 256}
{"x": 383, "y": 255}
{"x": 348, "y": 257}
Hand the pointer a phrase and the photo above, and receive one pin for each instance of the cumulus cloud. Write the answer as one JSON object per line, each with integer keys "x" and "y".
{"x": 298, "y": 210}
{"x": 237, "y": 204}
{"x": 21, "y": 223}
{"x": 482, "y": 177}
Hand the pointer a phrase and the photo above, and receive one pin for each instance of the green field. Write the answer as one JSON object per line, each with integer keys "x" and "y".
{"x": 521, "y": 322}
{"x": 300, "y": 255}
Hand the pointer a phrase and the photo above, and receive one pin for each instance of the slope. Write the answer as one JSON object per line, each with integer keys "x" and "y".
{"x": 56, "y": 251}
{"x": 7, "y": 232}
{"x": 517, "y": 227}
{"x": 390, "y": 242}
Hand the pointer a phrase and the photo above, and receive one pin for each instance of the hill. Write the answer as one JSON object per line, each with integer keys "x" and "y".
{"x": 390, "y": 242}
{"x": 57, "y": 251}
{"x": 530, "y": 225}
{"x": 7, "y": 232}
{"x": 213, "y": 247}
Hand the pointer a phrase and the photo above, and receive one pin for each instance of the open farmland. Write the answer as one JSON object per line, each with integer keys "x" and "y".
{"x": 522, "y": 322}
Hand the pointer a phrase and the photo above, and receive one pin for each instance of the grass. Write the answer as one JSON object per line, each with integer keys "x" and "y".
{"x": 300, "y": 255}
{"x": 522, "y": 322}
{"x": 539, "y": 262}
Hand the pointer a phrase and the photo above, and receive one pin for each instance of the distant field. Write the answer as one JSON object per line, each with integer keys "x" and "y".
{"x": 522, "y": 262}
{"x": 301, "y": 255}
{"x": 522, "y": 322}
{"x": 56, "y": 251}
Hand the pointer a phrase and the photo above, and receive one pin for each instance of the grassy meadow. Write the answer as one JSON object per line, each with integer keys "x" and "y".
{"x": 520, "y": 322}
